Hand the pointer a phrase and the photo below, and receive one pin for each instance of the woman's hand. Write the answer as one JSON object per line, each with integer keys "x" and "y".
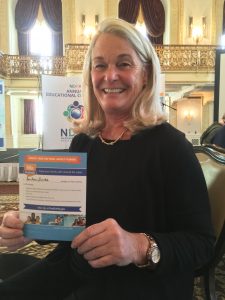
{"x": 11, "y": 231}
{"x": 106, "y": 243}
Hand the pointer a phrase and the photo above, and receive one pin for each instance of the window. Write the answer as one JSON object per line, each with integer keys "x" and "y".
{"x": 140, "y": 24}
{"x": 223, "y": 41}
{"x": 29, "y": 117}
{"x": 32, "y": 116}
{"x": 41, "y": 39}
{"x": 142, "y": 28}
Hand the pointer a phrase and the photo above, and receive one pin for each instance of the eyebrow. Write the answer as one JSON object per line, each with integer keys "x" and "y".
{"x": 123, "y": 55}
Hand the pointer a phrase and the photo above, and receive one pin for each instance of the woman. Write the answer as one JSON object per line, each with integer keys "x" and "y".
{"x": 148, "y": 215}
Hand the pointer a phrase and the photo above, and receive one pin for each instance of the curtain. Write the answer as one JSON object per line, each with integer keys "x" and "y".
{"x": 153, "y": 13}
{"x": 25, "y": 16}
{"x": 52, "y": 11}
{"x": 29, "y": 117}
{"x": 26, "y": 12}
{"x": 128, "y": 10}
{"x": 154, "y": 17}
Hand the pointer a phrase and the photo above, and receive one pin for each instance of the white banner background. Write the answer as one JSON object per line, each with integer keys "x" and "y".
{"x": 2, "y": 116}
{"x": 62, "y": 103}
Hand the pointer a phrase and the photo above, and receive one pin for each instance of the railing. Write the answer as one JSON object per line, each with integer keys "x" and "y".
{"x": 31, "y": 66}
{"x": 75, "y": 54}
{"x": 173, "y": 58}
{"x": 188, "y": 58}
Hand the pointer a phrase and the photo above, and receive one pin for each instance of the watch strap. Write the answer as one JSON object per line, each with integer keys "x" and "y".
{"x": 152, "y": 244}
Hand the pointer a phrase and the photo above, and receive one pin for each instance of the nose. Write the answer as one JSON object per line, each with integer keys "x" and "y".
{"x": 111, "y": 74}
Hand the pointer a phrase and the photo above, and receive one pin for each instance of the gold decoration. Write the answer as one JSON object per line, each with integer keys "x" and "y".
{"x": 179, "y": 58}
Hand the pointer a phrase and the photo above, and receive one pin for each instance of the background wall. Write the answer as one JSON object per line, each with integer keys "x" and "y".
{"x": 177, "y": 14}
{"x": 189, "y": 115}
{"x": 198, "y": 9}
{"x": 94, "y": 8}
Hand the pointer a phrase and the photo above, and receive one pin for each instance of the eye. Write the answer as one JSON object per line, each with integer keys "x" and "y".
{"x": 99, "y": 66}
{"x": 124, "y": 65}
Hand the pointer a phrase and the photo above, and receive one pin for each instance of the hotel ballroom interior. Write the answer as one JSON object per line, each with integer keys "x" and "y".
{"x": 51, "y": 37}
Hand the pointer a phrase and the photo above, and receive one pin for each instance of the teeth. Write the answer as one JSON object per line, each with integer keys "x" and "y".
{"x": 113, "y": 90}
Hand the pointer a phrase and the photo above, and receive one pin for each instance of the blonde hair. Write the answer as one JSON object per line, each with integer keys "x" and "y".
{"x": 147, "y": 109}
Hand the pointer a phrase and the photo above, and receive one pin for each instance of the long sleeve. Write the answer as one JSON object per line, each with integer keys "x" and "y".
{"x": 188, "y": 244}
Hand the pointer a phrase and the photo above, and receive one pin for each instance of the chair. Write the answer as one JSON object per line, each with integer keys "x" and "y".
{"x": 212, "y": 160}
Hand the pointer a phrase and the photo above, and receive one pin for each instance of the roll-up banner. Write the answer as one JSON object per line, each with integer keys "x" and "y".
{"x": 62, "y": 104}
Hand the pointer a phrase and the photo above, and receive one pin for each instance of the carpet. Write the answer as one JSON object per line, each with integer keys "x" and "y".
{"x": 10, "y": 202}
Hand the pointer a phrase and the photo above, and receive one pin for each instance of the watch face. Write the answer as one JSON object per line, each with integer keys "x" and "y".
{"x": 155, "y": 255}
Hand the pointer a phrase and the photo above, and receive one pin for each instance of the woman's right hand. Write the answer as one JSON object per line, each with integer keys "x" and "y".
{"x": 11, "y": 232}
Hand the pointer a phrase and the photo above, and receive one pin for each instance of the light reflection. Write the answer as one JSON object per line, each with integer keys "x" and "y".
{"x": 142, "y": 28}
{"x": 41, "y": 39}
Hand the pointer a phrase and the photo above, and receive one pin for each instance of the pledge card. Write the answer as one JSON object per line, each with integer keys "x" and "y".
{"x": 52, "y": 194}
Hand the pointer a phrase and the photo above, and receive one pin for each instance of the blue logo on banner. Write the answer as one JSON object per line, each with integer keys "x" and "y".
{"x": 1, "y": 89}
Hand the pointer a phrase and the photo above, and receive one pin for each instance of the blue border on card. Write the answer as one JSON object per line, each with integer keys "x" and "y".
{"x": 51, "y": 232}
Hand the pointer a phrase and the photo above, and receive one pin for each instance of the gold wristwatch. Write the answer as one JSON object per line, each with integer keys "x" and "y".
{"x": 152, "y": 254}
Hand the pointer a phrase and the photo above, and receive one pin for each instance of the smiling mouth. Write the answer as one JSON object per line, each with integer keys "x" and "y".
{"x": 113, "y": 91}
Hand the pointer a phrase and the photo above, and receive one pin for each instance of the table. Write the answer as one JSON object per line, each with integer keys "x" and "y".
{"x": 9, "y": 171}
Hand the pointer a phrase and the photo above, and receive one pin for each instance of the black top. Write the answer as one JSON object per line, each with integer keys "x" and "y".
{"x": 208, "y": 135}
{"x": 219, "y": 138}
{"x": 151, "y": 183}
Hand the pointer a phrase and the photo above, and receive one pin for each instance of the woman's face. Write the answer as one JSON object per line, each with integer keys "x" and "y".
{"x": 118, "y": 75}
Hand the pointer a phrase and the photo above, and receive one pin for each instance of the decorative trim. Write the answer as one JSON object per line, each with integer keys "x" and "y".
{"x": 178, "y": 58}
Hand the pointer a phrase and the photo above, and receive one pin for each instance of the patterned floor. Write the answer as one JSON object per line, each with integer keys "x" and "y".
{"x": 34, "y": 249}
{"x": 10, "y": 202}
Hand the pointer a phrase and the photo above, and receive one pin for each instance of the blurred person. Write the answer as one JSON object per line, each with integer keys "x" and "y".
{"x": 219, "y": 138}
{"x": 209, "y": 134}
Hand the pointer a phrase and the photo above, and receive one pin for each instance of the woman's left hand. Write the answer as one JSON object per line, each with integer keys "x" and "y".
{"x": 106, "y": 243}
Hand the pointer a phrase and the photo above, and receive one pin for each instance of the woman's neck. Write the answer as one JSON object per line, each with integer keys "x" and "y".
{"x": 112, "y": 131}
{"x": 114, "y": 127}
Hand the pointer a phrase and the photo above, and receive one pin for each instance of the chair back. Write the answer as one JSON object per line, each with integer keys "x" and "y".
{"x": 212, "y": 160}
